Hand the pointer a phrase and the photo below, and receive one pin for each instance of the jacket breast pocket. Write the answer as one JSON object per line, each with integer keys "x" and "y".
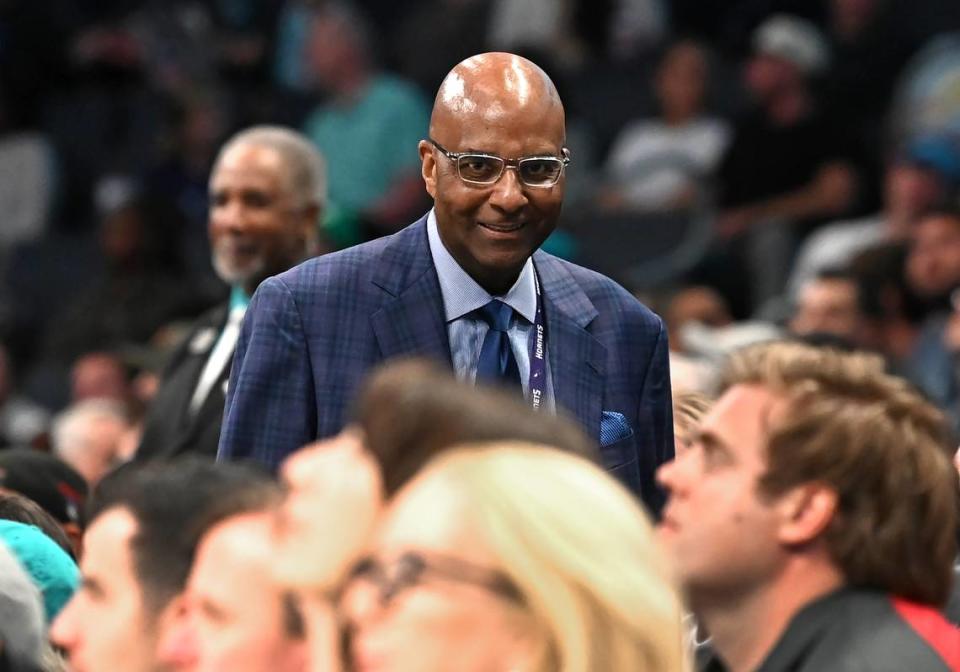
{"x": 617, "y": 449}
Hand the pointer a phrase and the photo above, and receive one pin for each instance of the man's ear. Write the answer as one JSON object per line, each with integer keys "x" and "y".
{"x": 428, "y": 167}
{"x": 805, "y": 512}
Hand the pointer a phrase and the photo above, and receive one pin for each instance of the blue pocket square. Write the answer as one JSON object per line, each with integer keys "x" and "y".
{"x": 613, "y": 427}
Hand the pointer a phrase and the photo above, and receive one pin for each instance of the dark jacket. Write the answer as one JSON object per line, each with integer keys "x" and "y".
{"x": 862, "y": 631}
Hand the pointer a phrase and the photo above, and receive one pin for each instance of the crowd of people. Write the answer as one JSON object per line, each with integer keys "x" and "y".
{"x": 300, "y": 372}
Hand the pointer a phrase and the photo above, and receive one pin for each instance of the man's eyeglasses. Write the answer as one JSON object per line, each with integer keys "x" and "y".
{"x": 486, "y": 169}
{"x": 411, "y": 568}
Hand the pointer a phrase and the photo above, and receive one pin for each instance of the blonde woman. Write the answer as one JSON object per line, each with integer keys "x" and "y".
{"x": 513, "y": 557}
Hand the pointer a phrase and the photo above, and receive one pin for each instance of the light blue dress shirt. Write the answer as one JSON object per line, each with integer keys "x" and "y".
{"x": 462, "y": 295}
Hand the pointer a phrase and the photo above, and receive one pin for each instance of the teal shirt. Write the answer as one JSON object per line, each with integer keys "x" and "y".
{"x": 371, "y": 142}
{"x": 238, "y": 298}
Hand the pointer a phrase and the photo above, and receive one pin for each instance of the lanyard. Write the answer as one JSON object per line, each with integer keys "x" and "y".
{"x": 538, "y": 346}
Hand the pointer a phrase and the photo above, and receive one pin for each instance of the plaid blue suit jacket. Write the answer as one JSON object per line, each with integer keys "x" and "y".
{"x": 313, "y": 333}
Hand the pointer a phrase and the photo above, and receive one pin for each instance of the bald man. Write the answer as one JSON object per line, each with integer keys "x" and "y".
{"x": 468, "y": 286}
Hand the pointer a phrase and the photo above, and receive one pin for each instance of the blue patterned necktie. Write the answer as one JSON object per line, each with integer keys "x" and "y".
{"x": 497, "y": 363}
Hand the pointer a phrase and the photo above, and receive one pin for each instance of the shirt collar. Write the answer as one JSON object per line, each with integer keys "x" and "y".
{"x": 462, "y": 294}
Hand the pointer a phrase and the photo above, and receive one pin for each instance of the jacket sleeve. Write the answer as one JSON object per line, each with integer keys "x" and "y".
{"x": 271, "y": 408}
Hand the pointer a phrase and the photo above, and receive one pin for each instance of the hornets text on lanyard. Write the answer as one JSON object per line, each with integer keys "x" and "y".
{"x": 538, "y": 365}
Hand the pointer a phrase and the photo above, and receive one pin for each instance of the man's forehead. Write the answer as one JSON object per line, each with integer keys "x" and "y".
{"x": 744, "y": 413}
{"x": 247, "y": 534}
{"x": 108, "y": 538}
{"x": 249, "y": 160}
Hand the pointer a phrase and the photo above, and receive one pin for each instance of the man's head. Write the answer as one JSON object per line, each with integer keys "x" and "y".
{"x": 829, "y": 305}
{"x": 238, "y": 618}
{"x": 145, "y": 524}
{"x": 787, "y": 51}
{"x": 499, "y": 105}
{"x": 87, "y": 437}
{"x": 811, "y": 465}
{"x": 339, "y": 47}
{"x": 681, "y": 80}
{"x": 51, "y": 483}
{"x": 920, "y": 177}
{"x": 99, "y": 375}
{"x": 933, "y": 261}
{"x": 267, "y": 191}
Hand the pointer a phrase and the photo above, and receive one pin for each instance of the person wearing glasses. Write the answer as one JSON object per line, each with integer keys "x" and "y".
{"x": 467, "y": 286}
{"x": 512, "y": 556}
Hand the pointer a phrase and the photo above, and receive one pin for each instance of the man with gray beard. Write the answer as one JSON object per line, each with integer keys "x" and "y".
{"x": 267, "y": 192}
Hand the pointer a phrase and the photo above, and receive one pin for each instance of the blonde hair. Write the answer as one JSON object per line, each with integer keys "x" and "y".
{"x": 875, "y": 441}
{"x": 580, "y": 550}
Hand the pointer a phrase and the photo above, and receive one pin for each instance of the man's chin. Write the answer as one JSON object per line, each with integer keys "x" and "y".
{"x": 233, "y": 273}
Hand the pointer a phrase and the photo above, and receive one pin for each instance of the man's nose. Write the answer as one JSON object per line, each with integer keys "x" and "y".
{"x": 508, "y": 193}
{"x": 178, "y": 646}
{"x": 63, "y": 630}
{"x": 670, "y": 474}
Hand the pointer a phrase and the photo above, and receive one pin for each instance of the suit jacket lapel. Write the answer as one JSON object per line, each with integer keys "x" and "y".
{"x": 412, "y": 321}
{"x": 208, "y": 332}
{"x": 577, "y": 359}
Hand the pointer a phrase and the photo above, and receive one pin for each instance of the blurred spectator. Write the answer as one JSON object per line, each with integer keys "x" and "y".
{"x": 757, "y": 181}
{"x": 892, "y": 309}
{"x": 692, "y": 371}
{"x": 99, "y": 375}
{"x": 789, "y": 558}
{"x": 51, "y": 483}
{"x": 87, "y": 437}
{"x": 145, "y": 523}
{"x": 923, "y": 176}
{"x": 28, "y": 179}
{"x": 830, "y": 305}
{"x": 933, "y": 274}
{"x": 667, "y": 162}
{"x": 545, "y": 25}
{"x": 370, "y": 126}
{"x": 934, "y": 365}
{"x": 232, "y": 571}
{"x": 50, "y": 567}
{"x": 243, "y": 38}
{"x": 290, "y": 69}
{"x": 788, "y": 166}
{"x": 196, "y": 127}
{"x": 635, "y": 26}
{"x": 22, "y": 422}
{"x": 20, "y": 509}
{"x": 267, "y": 193}
{"x": 933, "y": 262}
{"x": 695, "y": 303}
{"x": 22, "y": 626}
{"x": 141, "y": 285}
{"x": 447, "y": 575}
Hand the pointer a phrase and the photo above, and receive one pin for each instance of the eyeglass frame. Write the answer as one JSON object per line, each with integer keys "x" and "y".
{"x": 505, "y": 164}
{"x": 413, "y": 565}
